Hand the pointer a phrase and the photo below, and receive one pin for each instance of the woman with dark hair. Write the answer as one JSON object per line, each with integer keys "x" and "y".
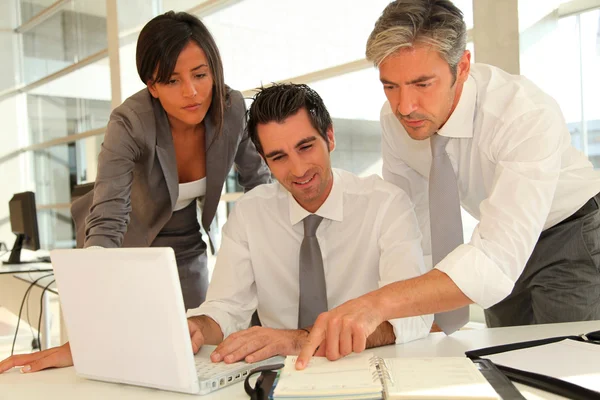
{"x": 166, "y": 148}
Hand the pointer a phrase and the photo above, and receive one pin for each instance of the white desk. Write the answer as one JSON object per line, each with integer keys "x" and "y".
{"x": 65, "y": 385}
{"x": 26, "y": 267}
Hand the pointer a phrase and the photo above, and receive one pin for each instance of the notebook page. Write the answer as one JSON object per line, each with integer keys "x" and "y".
{"x": 436, "y": 378}
{"x": 569, "y": 360}
{"x": 349, "y": 376}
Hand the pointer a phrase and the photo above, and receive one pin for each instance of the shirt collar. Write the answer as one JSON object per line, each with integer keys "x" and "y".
{"x": 460, "y": 123}
{"x": 332, "y": 208}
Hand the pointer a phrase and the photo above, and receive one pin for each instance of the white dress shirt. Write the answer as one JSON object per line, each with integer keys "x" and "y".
{"x": 369, "y": 237}
{"x": 517, "y": 174}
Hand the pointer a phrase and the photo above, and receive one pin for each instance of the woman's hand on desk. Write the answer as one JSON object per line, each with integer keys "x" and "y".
{"x": 55, "y": 357}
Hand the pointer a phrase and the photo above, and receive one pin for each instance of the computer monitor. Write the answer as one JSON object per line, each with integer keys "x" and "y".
{"x": 23, "y": 223}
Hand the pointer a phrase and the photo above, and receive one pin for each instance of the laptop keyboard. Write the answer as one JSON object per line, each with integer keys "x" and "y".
{"x": 208, "y": 369}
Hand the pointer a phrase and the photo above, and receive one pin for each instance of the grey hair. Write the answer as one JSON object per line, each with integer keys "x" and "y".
{"x": 405, "y": 23}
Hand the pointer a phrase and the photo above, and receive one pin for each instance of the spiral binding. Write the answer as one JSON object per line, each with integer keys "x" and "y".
{"x": 381, "y": 373}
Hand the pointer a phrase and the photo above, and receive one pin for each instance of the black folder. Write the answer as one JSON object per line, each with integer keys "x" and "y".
{"x": 539, "y": 381}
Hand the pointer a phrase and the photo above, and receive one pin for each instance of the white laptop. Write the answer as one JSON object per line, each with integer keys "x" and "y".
{"x": 126, "y": 321}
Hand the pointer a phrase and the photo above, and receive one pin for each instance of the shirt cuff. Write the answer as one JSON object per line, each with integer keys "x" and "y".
{"x": 411, "y": 328}
{"x": 227, "y": 323}
{"x": 99, "y": 240}
{"x": 476, "y": 275}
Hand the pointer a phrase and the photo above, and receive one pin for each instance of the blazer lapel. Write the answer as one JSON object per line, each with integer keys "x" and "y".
{"x": 216, "y": 165}
{"x": 165, "y": 150}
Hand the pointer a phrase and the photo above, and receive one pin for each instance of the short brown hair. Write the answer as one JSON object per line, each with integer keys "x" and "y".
{"x": 280, "y": 101}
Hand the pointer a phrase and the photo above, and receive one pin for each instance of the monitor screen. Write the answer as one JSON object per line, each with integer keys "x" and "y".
{"x": 17, "y": 222}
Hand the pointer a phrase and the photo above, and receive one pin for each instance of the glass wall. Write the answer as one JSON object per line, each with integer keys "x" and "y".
{"x": 31, "y": 8}
{"x": 580, "y": 101}
{"x": 263, "y": 41}
{"x": 77, "y": 30}
{"x": 562, "y": 56}
{"x": 354, "y": 101}
{"x": 61, "y": 88}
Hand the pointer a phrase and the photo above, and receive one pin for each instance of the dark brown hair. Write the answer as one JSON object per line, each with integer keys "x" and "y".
{"x": 280, "y": 101}
{"x": 161, "y": 41}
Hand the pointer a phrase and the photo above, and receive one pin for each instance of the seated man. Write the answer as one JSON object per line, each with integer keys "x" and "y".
{"x": 293, "y": 249}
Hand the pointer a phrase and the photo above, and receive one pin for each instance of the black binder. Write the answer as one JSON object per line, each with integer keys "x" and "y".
{"x": 539, "y": 381}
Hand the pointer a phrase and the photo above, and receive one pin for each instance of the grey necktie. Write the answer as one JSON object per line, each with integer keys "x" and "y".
{"x": 313, "y": 292}
{"x": 445, "y": 221}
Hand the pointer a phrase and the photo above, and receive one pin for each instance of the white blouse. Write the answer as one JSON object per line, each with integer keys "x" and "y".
{"x": 189, "y": 192}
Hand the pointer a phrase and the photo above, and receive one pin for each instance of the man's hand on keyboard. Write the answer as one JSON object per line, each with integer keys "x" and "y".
{"x": 50, "y": 358}
{"x": 196, "y": 335}
{"x": 258, "y": 343}
{"x": 204, "y": 330}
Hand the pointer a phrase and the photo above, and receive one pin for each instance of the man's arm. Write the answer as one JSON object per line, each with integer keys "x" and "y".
{"x": 231, "y": 297}
{"x": 401, "y": 258}
{"x": 427, "y": 294}
{"x": 359, "y": 318}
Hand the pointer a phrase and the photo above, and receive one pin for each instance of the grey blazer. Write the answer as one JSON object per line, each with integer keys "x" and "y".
{"x": 137, "y": 184}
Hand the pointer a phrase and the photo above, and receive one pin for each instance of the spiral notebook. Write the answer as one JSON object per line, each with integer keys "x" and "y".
{"x": 365, "y": 376}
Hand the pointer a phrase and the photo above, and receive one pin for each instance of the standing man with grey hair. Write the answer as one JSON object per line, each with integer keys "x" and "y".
{"x": 456, "y": 134}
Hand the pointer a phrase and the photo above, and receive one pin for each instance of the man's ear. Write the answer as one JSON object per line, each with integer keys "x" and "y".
{"x": 152, "y": 89}
{"x": 463, "y": 67}
{"x": 331, "y": 138}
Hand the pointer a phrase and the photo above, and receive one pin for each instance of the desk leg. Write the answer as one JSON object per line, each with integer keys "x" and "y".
{"x": 45, "y": 334}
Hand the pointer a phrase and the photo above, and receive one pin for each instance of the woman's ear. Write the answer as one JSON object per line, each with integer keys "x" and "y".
{"x": 152, "y": 89}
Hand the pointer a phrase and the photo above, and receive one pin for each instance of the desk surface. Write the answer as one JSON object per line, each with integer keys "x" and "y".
{"x": 64, "y": 384}
{"x": 31, "y": 262}
{"x": 26, "y": 267}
